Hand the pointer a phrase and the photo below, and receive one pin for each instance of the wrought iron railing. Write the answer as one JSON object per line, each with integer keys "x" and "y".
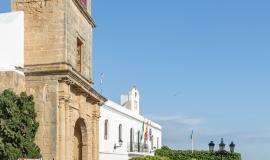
{"x": 137, "y": 147}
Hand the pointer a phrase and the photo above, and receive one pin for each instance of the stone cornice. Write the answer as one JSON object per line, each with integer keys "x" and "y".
{"x": 76, "y": 81}
{"x": 51, "y": 67}
{"x": 85, "y": 13}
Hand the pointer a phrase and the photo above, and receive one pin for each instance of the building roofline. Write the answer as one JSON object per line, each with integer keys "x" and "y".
{"x": 118, "y": 108}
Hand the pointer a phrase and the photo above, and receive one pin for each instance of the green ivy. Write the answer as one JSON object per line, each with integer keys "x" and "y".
{"x": 18, "y": 126}
{"x": 150, "y": 158}
{"x": 196, "y": 155}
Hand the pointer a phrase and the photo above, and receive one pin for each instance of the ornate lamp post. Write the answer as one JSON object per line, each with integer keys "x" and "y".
{"x": 232, "y": 146}
{"x": 211, "y": 146}
{"x": 222, "y": 146}
{"x": 221, "y": 150}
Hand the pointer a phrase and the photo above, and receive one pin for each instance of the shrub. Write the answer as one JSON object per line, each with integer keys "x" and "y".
{"x": 196, "y": 155}
{"x": 18, "y": 126}
{"x": 150, "y": 158}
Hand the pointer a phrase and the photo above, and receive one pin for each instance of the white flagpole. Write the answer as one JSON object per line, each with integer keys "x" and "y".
{"x": 192, "y": 141}
{"x": 192, "y": 144}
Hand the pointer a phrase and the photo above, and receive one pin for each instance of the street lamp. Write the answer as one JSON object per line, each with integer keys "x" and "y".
{"x": 232, "y": 146}
{"x": 211, "y": 146}
{"x": 221, "y": 152}
{"x": 222, "y": 146}
{"x": 118, "y": 146}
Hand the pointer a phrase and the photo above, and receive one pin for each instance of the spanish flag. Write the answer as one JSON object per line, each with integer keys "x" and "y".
{"x": 146, "y": 134}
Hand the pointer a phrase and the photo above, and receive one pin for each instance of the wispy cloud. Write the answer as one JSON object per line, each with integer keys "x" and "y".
{"x": 255, "y": 137}
{"x": 177, "y": 129}
{"x": 179, "y": 120}
{"x": 258, "y": 134}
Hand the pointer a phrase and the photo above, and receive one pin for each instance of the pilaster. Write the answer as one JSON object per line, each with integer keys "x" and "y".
{"x": 63, "y": 119}
{"x": 68, "y": 130}
{"x": 95, "y": 123}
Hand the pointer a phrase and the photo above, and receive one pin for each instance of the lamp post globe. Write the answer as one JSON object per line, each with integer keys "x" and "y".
{"x": 211, "y": 146}
{"x": 232, "y": 146}
{"x": 222, "y": 146}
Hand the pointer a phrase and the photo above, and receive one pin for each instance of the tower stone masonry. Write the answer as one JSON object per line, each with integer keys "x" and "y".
{"x": 58, "y": 73}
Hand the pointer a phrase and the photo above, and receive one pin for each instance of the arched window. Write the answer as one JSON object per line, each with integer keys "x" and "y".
{"x": 157, "y": 142}
{"x": 106, "y": 129}
{"x": 139, "y": 141}
{"x": 120, "y": 133}
{"x": 152, "y": 142}
{"x": 131, "y": 139}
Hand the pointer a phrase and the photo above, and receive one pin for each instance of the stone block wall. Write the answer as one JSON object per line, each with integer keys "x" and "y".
{"x": 44, "y": 31}
{"x": 79, "y": 27}
{"x": 52, "y": 28}
{"x": 45, "y": 92}
{"x": 12, "y": 80}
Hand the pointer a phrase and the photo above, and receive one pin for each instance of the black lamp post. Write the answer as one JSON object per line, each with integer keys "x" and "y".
{"x": 221, "y": 152}
{"x": 232, "y": 146}
{"x": 211, "y": 146}
{"x": 222, "y": 146}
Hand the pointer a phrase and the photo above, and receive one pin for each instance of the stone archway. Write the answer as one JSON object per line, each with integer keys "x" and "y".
{"x": 80, "y": 141}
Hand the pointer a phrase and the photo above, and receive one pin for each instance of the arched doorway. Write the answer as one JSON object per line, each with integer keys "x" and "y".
{"x": 80, "y": 141}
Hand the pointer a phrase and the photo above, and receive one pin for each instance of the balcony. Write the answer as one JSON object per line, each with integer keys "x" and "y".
{"x": 137, "y": 147}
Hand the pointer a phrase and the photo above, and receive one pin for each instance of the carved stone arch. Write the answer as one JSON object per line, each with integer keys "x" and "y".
{"x": 80, "y": 142}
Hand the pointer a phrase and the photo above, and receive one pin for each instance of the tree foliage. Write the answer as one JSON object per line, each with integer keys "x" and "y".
{"x": 196, "y": 155}
{"x": 18, "y": 126}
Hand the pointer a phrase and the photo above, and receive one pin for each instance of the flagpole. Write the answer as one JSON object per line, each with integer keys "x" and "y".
{"x": 192, "y": 144}
{"x": 101, "y": 82}
{"x": 192, "y": 141}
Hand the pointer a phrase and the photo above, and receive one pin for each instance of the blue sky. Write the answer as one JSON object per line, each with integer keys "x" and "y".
{"x": 201, "y": 65}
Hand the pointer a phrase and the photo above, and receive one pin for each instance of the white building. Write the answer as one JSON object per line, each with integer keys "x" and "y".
{"x": 11, "y": 41}
{"x": 124, "y": 133}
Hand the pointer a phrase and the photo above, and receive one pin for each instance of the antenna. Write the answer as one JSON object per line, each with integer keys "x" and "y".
{"x": 101, "y": 82}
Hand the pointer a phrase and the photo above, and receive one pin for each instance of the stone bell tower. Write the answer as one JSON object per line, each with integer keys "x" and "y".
{"x": 58, "y": 73}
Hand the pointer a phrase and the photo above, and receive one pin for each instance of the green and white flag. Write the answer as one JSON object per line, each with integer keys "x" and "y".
{"x": 192, "y": 134}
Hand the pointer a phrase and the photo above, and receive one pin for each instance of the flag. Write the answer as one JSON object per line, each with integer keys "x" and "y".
{"x": 142, "y": 132}
{"x": 150, "y": 135}
{"x": 146, "y": 134}
{"x": 192, "y": 141}
{"x": 192, "y": 135}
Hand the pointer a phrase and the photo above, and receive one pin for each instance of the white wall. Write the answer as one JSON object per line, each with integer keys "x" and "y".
{"x": 11, "y": 40}
{"x": 116, "y": 115}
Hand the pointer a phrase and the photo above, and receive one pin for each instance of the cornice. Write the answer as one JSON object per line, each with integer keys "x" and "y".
{"x": 57, "y": 67}
{"x": 76, "y": 81}
{"x": 85, "y": 13}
